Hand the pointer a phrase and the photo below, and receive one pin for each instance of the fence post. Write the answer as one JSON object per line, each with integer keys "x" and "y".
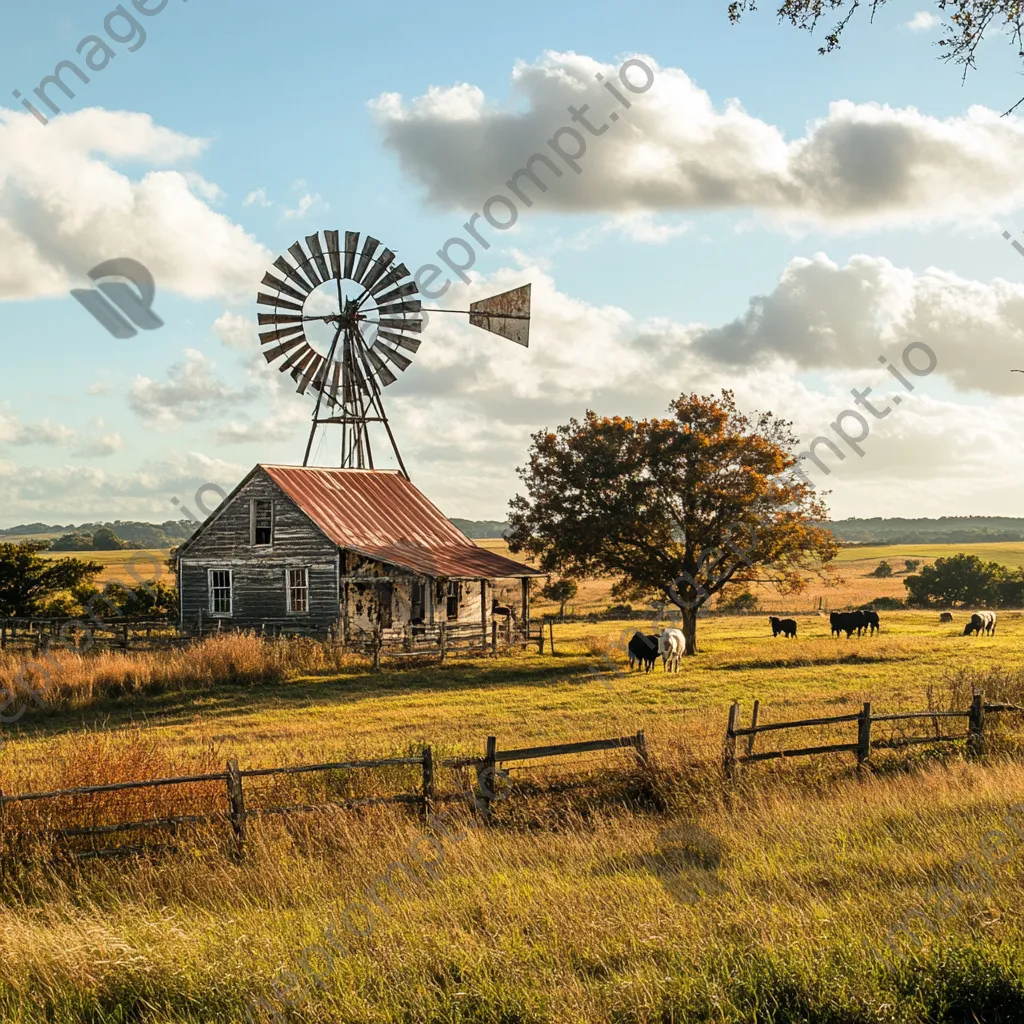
{"x": 640, "y": 742}
{"x": 428, "y": 783}
{"x": 864, "y": 735}
{"x": 729, "y": 763}
{"x": 236, "y": 798}
{"x": 976, "y": 729}
{"x": 753, "y": 725}
{"x": 485, "y": 779}
{"x": 443, "y": 640}
{"x": 551, "y": 635}
{"x": 540, "y": 643}
{"x": 494, "y": 636}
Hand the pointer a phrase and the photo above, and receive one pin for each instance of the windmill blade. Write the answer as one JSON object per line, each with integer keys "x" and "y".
{"x": 397, "y": 293}
{"x": 334, "y": 252}
{"x": 409, "y": 344}
{"x": 282, "y": 333}
{"x": 279, "y": 350}
{"x": 299, "y": 358}
{"x": 310, "y": 371}
{"x": 379, "y": 366}
{"x": 391, "y": 355}
{"x": 369, "y": 248}
{"x": 305, "y": 264}
{"x": 380, "y": 265}
{"x": 272, "y": 282}
{"x": 406, "y": 306}
{"x": 263, "y": 299}
{"x": 393, "y": 276}
{"x": 278, "y": 318}
{"x": 507, "y": 315}
{"x": 313, "y": 241}
{"x": 413, "y": 326}
{"x": 289, "y": 271}
{"x": 351, "y": 248}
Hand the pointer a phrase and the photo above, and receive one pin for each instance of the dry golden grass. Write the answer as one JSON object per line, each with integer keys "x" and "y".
{"x": 567, "y": 910}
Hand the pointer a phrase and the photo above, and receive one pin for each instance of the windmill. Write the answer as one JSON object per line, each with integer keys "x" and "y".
{"x": 345, "y": 318}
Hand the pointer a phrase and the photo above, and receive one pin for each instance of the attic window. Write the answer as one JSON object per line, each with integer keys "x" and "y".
{"x": 262, "y": 523}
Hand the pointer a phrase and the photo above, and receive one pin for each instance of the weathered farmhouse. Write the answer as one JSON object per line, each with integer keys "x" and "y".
{"x": 349, "y": 551}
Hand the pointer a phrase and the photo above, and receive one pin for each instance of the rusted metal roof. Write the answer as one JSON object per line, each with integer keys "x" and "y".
{"x": 380, "y": 514}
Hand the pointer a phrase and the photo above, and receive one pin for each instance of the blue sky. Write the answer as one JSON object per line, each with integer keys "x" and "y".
{"x": 266, "y": 124}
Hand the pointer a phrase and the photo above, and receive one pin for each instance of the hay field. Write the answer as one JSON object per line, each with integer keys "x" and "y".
{"x": 129, "y": 567}
{"x": 574, "y": 907}
{"x": 855, "y": 585}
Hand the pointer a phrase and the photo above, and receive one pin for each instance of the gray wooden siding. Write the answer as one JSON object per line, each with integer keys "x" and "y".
{"x": 258, "y": 573}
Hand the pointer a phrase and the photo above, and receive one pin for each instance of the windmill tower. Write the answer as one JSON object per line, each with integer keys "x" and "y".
{"x": 344, "y": 319}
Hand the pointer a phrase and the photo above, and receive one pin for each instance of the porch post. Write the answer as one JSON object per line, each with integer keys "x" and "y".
{"x": 483, "y": 612}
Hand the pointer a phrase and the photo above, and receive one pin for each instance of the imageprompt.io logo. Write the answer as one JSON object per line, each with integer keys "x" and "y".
{"x": 133, "y": 305}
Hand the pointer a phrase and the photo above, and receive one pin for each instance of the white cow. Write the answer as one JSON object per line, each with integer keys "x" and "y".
{"x": 671, "y": 647}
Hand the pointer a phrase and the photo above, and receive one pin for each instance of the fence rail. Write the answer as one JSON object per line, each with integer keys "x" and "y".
{"x": 237, "y": 815}
{"x": 975, "y": 735}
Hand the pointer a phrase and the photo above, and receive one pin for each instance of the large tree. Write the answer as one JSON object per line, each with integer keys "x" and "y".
{"x": 963, "y": 580}
{"x": 681, "y": 506}
{"x": 27, "y": 579}
{"x": 964, "y": 22}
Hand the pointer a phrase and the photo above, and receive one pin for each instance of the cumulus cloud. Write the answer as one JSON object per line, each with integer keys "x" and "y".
{"x": 44, "y": 432}
{"x": 191, "y": 392}
{"x": 236, "y": 331}
{"x": 100, "y": 447}
{"x": 821, "y": 315}
{"x": 64, "y": 208}
{"x": 861, "y": 165}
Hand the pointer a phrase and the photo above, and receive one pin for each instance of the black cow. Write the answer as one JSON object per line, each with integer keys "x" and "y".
{"x": 643, "y": 650}
{"x": 848, "y": 622}
{"x": 981, "y": 622}
{"x": 872, "y": 619}
{"x": 787, "y": 627}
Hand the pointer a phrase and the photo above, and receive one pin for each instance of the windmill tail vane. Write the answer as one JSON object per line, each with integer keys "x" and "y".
{"x": 370, "y": 332}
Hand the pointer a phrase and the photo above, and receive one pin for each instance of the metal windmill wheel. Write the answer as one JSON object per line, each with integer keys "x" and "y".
{"x": 374, "y": 317}
{"x": 372, "y": 309}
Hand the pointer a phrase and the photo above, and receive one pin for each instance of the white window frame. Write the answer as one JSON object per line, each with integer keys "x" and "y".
{"x": 304, "y": 569}
{"x": 252, "y": 522}
{"x": 231, "y": 593}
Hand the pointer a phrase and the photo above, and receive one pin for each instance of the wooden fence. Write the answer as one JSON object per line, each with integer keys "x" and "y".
{"x": 442, "y": 641}
{"x": 236, "y": 815}
{"x": 975, "y": 735}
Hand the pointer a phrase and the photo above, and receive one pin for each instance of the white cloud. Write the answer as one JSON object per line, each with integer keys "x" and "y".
{"x": 307, "y": 202}
{"x": 821, "y": 316}
{"x": 190, "y": 393}
{"x": 861, "y": 165}
{"x": 100, "y": 447}
{"x": 257, "y": 197}
{"x": 924, "y": 21}
{"x": 236, "y": 331}
{"x": 45, "y": 432}
{"x": 64, "y": 208}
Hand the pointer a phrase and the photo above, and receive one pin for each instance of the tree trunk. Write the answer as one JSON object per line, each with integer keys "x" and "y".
{"x": 690, "y": 629}
{"x": 561, "y": 612}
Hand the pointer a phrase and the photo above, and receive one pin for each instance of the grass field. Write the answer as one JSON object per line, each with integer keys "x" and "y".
{"x": 569, "y": 909}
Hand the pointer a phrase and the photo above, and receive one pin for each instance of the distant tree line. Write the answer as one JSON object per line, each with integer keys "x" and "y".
{"x": 113, "y": 536}
{"x": 944, "y": 530}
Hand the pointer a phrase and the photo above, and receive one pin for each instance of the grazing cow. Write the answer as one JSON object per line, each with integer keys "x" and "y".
{"x": 981, "y": 622}
{"x": 946, "y": 617}
{"x": 847, "y": 622}
{"x": 643, "y": 651}
{"x": 787, "y": 627}
{"x": 672, "y": 647}
{"x": 871, "y": 618}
